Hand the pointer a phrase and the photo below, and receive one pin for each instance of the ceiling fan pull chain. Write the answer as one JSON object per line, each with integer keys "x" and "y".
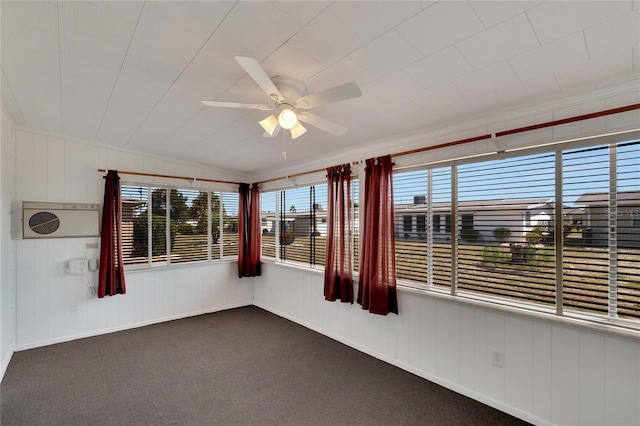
{"x": 284, "y": 144}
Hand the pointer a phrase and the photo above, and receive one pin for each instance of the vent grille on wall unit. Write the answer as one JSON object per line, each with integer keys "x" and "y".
{"x": 59, "y": 220}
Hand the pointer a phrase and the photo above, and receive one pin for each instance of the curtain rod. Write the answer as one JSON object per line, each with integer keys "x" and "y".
{"x": 172, "y": 177}
{"x": 581, "y": 117}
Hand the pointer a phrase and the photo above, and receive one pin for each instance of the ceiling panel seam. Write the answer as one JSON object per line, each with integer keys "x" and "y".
{"x": 135, "y": 132}
{"x": 115, "y": 83}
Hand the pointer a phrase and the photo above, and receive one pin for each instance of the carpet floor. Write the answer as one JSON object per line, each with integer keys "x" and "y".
{"x": 243, "y": 366}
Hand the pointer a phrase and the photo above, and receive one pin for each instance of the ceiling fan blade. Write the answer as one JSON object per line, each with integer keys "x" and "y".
{"x": 322, "y": 123}
{"x": 335, "y": 94}
{"x": 237, "y": 105}
{"x": 255, "y": 71}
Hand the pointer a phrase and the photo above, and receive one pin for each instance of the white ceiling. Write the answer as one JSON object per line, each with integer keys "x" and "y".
{"x": 132, "y": 74}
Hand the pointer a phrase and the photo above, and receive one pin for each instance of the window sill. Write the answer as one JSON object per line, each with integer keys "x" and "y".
{"x": 622, "y": 328}
{"x": 627, "y": 329}
{"x": 156, "y": 267}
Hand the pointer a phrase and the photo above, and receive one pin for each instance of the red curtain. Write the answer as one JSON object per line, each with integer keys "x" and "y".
{"x": 249, "y": 231}
{"x": 111, "y": 273}
{"x": 377, "y": 284}
{"x": 338, "y": 280}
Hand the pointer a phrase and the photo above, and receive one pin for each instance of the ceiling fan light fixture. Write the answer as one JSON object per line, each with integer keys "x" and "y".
{"x": 270, "y": 124}
{"x": 297, "y": 130}
{"x": 287, "y": 119}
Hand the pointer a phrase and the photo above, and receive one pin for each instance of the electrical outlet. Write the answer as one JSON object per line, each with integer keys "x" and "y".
{"x": 73, "y": 309}
{"x": 497, "y": 359}
{"x": 92, "y": 246}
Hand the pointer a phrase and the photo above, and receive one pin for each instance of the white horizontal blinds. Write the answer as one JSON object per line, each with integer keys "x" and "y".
{"x": 135, "y": 218}
{"x": 189, "y": 209}
{"x": 355, "y": 196}
{"x": 586, "y": 185}
{"x": 318, "y": 205}
{"x": 440, "y": 221}
{"x": 505, "y": 216}
{"x": 410, "y": 210}
{"x": 157, "y": 245}
{"x": 296, "y": 225}
{"x": 229, "y": 238}
{"x": 268, "y": 221}
{"x": 628, "y": 228}
{"x": 216, "y": 225}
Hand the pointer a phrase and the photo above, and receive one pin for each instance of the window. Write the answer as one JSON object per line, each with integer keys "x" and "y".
{"x": 421, "y": 225}
{"x": 601, "y": 256}
{"x": 508, "y": 229}
{"x": 356, "y": 224}
{"x": 497, "y": 255}
{"x": 493, "y": 229}
{"x": 189, "y": 210}
{"x": 467, "y": 221}
{"x": 135, "y": 212}
{"x": 436, "y": 223}
{"x": 296, "y": 223}
{"x": 173, "y": 225}
{"x": 424, "y": 259}
{"x": 447, "y": 224}
{"x": 300, "y": 218}
{"x": 269, "y": 223}
{"x": 407, "y": 225}
{"x": 229, "y": 219}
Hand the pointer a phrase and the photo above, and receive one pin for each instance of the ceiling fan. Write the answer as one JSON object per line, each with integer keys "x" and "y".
{"x": 289, "y": 96}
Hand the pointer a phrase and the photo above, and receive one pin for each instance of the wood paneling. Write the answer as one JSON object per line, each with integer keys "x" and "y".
{"x": 58, "y": 170}
{"x": 554, "y": 373}
{"x": 7, "y": 244}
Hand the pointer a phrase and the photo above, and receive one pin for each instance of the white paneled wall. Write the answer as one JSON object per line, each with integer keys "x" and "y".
{"x": 554, "y": 373}
{"x": 7, "y": 245}
{"x": 57, "y": 170}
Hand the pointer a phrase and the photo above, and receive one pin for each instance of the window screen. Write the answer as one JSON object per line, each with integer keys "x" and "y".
{"x": 192, "y": 225}
{"x": 410, "y": 201}
{"x": 294, "y": 224}
{"x": 602, "y": 247}
{"x": 229, "y": 239}
{"x": 500, "y": 253}
{"x": 303, "y": 224}
{"x": 160, "y": 238}
{"x": 268, "y": 221}
{"x": 628, "y": 225}
{"x": 217, "y": 213}
{"x": 189, "y": 216}
{"x": 441, "y": 255}
{"x": 356, "y": 224}
{"x": 586, "y": 247}
{"x": 135, "y": 224}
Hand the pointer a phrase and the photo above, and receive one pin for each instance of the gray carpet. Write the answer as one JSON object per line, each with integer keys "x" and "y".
{"x": 242, "y": 366}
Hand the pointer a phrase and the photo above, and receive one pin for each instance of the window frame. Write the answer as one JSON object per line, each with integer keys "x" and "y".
{"x": 167, "y": 263}
{"x": 281, "y": 212}
{"x": 452, "y": 227}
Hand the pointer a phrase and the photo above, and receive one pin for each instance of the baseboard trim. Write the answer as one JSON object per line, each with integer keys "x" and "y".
{"x": 498, "y": 405}
{"x": 47, "y": 342}
{"x": 5, "y": 363}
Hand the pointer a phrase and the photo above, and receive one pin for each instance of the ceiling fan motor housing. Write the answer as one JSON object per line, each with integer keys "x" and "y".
{"x": 290, "y": 88}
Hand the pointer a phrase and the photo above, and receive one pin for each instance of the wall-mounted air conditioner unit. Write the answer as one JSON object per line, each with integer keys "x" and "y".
{"x": 59, "y": 220}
